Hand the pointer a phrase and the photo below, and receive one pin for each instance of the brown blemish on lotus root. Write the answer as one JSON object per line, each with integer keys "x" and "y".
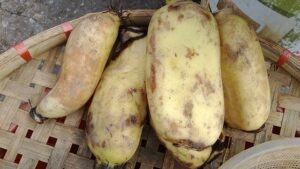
{"x": 180, "y": 17}
{"x": 188, "y": 109}
{"x": 187, "y": 7}
{"x": 143, "y": 93}
{"x": 159, "y": 21}
{"x": 173, "y": 126}
{"x": 167, "y": 25}
{"x": 192, "y": 156}
{"x": 248, "y": 123}
{"x": 131, "y": 120}
{"x": 103, "y": 145}
{"x": 210, "y": 40}
{"x": 131, "y": 91}
{"x": 89, "y": 124}
{"x": 108, "y": 129}
{"x": 173, "y": 7}
{"x": 152, "y": 46}
{"x": 235, "y": 54}
{"x": 206, "y": 85}
{"x": 153, "y": 78}
{"x": 190, "y": 53}
{"x": 164, "y": 24}
{"x": 189, "y": 144}
{"x": 246, "y": 60}
{"x": 195, "y": 87}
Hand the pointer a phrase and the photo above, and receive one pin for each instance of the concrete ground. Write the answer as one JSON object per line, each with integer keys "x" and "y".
{"x": 20, "y": 19}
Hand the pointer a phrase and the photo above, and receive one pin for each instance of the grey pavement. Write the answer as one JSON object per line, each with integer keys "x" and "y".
{"x": 20, "y": 19}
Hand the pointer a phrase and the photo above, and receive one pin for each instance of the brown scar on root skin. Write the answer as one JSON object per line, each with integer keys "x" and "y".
{"x": 173, "y": 126}
{"x": 143, "y": 93}
{"x": 167, "y": 25}
{"x": 89, "y": 124}
{"x": 163, "y": 23}
{"x": 153, "y": 78}
{"x": 188, "y": 109}
{"x": 235, "y": 54}
{"x": 159, "y": 21}
{"x": 196, "y": 8}
{"x": 180, "y": 17}
{"x": 191, "y": 53}
{"x": 103, "y": 145}
{"x": 131, "y": 91}
{"x": 173, "y": 7}
{"x": 131, "y": 120}
{"x": 189, "y": 144}
{"x": 152, "y": 46}
{"x": 206, "y": 85}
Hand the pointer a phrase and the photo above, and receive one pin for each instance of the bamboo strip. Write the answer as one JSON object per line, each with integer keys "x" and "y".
{"x": 35, "y": 150}
{"x": 7, "y": 165}
{"x": 6, "y": 138}
{"x": 38, "y": 44}
{"x": 275, "y": 118}
{"x": 27, "y": 163}
{"x": 59, "y": 154}
{"x": 81, "y": 163}
{"x": 289, "y": 102}
{"x": 46, "y": 40}
{"x": 273, "y": 51}
{"x": 67, "y": 133}
{"x": 15, "y": 144}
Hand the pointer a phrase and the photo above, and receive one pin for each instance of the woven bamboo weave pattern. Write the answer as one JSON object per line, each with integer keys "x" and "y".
{"x": 60, "y": 143}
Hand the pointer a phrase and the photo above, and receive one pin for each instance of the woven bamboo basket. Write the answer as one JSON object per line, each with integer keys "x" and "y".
{"x": 60, "y": 143}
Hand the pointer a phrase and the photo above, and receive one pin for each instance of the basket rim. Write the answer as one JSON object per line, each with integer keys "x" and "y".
{"x": 266, "y": 147}
{"x": 50, "y": 38}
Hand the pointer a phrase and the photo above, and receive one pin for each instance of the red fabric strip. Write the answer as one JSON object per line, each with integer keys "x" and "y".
{"x": 284, "y": 57}
{"x": 23, "y": 51}
{"x": 67, "y": 27}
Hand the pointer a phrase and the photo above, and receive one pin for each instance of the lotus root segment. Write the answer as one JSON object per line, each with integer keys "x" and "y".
{"x": 244, "y": 74}
{"x": 183, "y": 76}
{"x": 117, "y": 112}
{"x": 85, "y": 56}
